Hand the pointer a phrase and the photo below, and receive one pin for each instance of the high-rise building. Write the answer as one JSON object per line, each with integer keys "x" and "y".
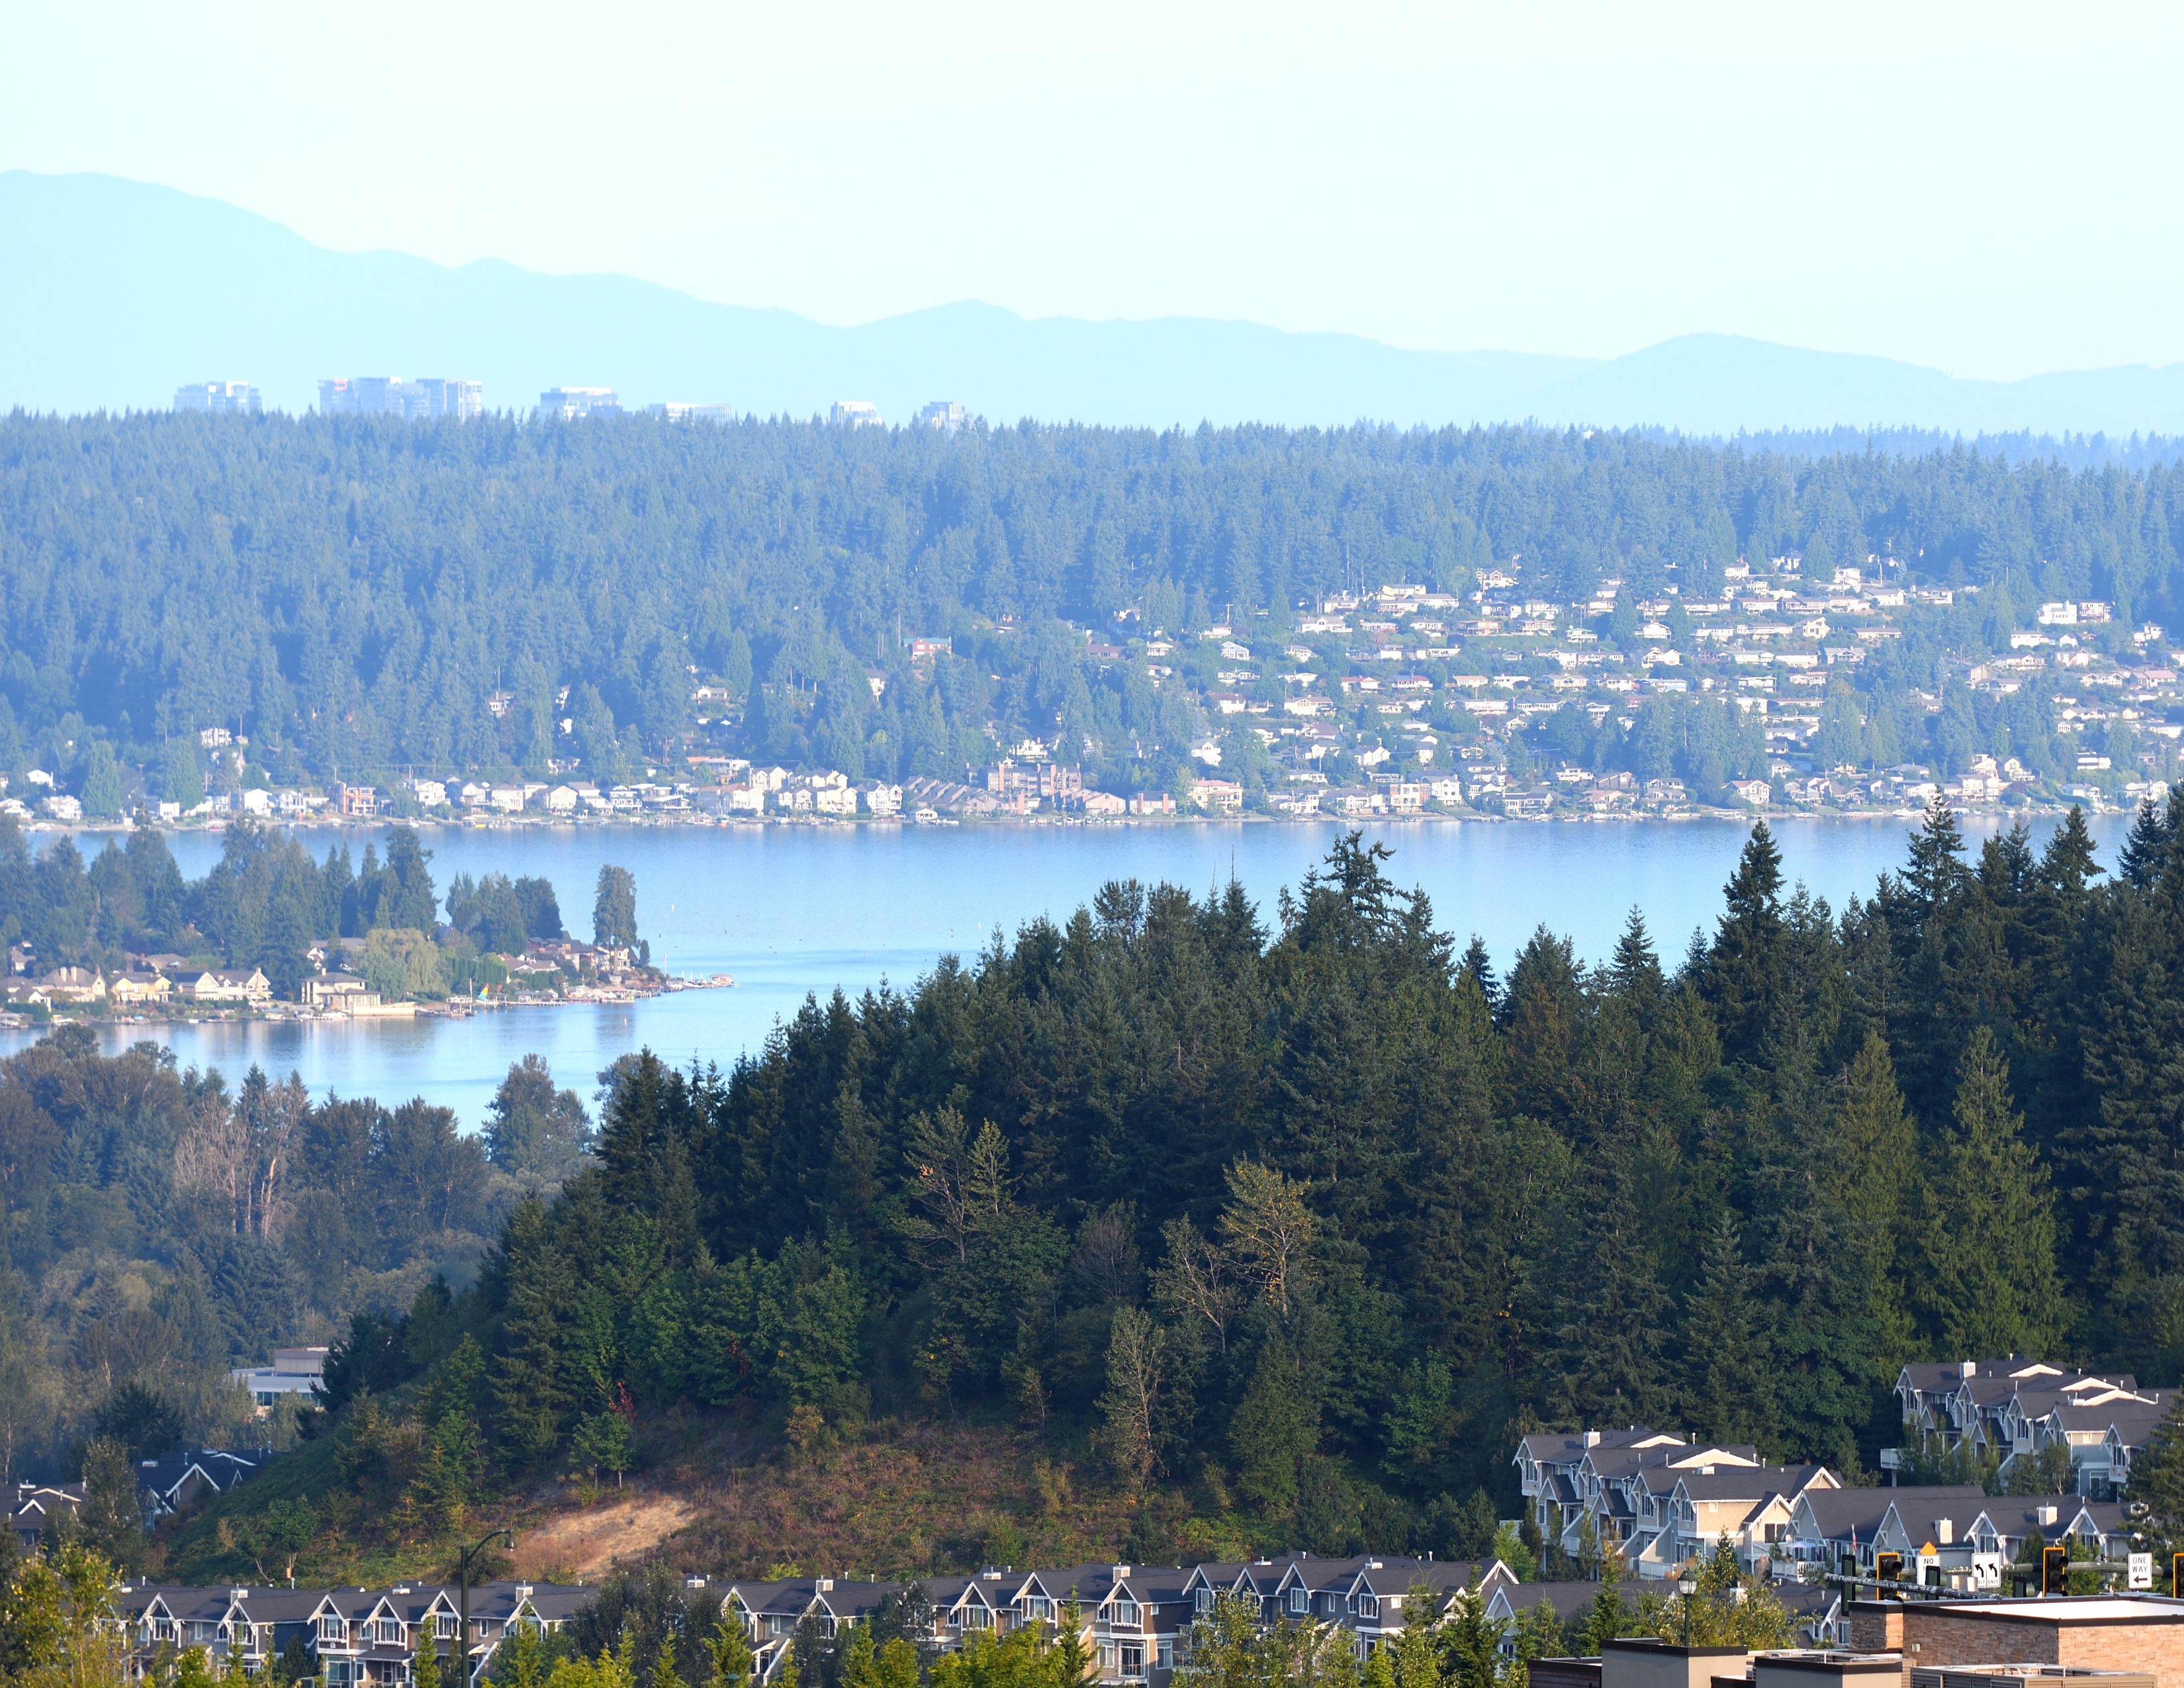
{"x": 674, "y": 412}
{"x": 943, "y": 414}
{"x": 389, "y": 395}
{"x": 854, "y": 413}
{"x": 568, "y": 404}
{"x": 221, "y": 397}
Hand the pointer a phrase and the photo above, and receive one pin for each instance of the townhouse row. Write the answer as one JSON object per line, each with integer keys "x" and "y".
{"x": 1657, "y": 1500}
{"x": 1135, "y": 1621}
{"x": 2017, "y": 1408}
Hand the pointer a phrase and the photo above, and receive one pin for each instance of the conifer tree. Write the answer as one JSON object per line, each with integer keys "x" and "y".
{"x": 1609, "y": 1617}
{"x": 425, "y": 1663}
{"x": 2157, "y": 1478}
{"x": 1478, "y": 966}
{"x": 1473, "y": 1640}
{"x": 1635, "y": 971}
{"x": 1725, "y": 1364}
{"x": 2146, "y": 850}
{"x": 729, "y": 1653}
{"x": 1872, "y": 1176}
{"x": 1743, "y": 973}
{"x": 1988, "y": 1230}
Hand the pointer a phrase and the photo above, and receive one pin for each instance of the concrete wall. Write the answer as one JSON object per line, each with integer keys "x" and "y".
{"x": 1649, "y": 1664}
{"x": 1939, "y": 1636}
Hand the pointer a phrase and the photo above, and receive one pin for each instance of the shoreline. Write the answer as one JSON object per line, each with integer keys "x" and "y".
{"x": 292, "y": 1013}
{"x": 2028, "y": 809}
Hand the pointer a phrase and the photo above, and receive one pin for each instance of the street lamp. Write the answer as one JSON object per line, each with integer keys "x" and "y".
{"x": 1687, "y": 1586}
{"x": 462, "y": 1571}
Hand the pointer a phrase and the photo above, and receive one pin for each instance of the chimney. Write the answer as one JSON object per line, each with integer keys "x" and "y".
{"x": 693, "y": 1582}
{"x": 2046, "y": 1515}
{"x": 1967, "y": 1368}
{"x": 1121, "y": 1572}
{"x": 1592, "y": 1439}
{"x": 1945, "y": 1531}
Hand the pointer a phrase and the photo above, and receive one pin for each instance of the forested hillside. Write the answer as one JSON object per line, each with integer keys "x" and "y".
{"x": 1284, "y": 1222}
{"x": 157, "y": 1229}
{"x": 362, "y": 598}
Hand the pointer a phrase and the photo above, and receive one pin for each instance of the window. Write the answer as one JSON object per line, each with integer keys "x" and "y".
{"x": 443, "y": 1625}
{"x": 1205, "y": 1599}
{"x": 978, "y": 1617}
{"x": 1125, "y": 1615}
{"x": 1365, "y": 1605}
{"x": 1300, "y": 1599}
{"x": 1133, "y": 1662}
{"x": 1164, "y": 1656}
{"x": 332, "y": 1629}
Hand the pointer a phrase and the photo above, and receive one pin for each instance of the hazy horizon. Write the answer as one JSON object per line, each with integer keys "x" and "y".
{"x": 1989, "y": 197}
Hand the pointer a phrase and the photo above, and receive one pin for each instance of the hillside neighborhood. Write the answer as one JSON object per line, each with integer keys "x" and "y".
{"x": 1634, "y": 1503}
{"x": 1403, "y": 700}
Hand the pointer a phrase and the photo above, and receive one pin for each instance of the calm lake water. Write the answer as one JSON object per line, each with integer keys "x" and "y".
{"x": 792, "y": 911}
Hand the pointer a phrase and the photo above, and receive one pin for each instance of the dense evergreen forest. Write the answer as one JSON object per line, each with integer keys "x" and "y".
{"x": 1288, "y": 1220}
{"x": 359, "y": 597}
{"x": 157, "y": 1229}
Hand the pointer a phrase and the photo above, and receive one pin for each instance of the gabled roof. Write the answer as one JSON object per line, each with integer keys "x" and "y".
{"x": 1919, "y": 1513}
{"x": 281, "y": 1605}
{"x": 1840, "y": 1513}
{"x": 1568, "y": 1599}
{"x": 1754, "y": 1483}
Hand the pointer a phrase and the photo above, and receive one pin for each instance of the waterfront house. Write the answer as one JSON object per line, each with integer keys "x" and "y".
{"x": 229, "y": 987}
{"x": 74, "y": 985}
{"x": 139, "y": 990}
{"x": 338, "y": 992}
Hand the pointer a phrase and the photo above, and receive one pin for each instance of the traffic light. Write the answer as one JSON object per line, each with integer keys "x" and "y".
{"x": 2054, "y": 1570}
{"x": 2177, "y": 1576}
{"x": 1888, "y": 1568}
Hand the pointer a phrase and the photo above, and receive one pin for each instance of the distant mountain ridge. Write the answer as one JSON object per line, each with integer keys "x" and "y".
{"x": 114, "y": 293}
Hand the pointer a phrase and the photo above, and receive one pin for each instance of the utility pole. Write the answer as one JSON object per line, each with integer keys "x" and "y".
{"x": 462, "y": 1571}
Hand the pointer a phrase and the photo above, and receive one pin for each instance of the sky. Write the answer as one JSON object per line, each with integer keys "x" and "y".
{"x": 1988, "y": 189}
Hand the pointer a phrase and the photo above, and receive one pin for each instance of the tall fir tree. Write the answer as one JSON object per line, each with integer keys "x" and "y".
{"x": 1987, "y": 1239}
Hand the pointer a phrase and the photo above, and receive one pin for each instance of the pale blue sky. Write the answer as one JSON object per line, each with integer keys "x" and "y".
{"x": 1993, "y": 189}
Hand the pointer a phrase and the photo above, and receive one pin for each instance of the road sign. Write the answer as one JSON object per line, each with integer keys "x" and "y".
{"x": 2141, "y": 1570}
{"x": 1986, "y": 1570}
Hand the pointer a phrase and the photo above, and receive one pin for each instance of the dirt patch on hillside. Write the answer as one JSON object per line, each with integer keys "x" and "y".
{"x": 589, "y": 1540}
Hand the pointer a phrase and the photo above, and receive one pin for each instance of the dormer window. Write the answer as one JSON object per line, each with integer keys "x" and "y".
{"x": 1125, "y": 1614}
{"x": 1300, "y": 1599}
{"x": 1205, "y": 1599}
{"x": 1365, "y": 1605}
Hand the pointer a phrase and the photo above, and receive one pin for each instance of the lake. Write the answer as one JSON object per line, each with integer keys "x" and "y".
{"x": 788, "y": 911}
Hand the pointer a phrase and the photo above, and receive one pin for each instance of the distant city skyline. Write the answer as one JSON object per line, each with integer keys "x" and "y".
{"x": 1989, "y": 191}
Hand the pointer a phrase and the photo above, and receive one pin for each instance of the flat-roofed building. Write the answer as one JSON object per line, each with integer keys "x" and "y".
{"x": 574, "y": 403}
{"x": 220, "y": 397}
